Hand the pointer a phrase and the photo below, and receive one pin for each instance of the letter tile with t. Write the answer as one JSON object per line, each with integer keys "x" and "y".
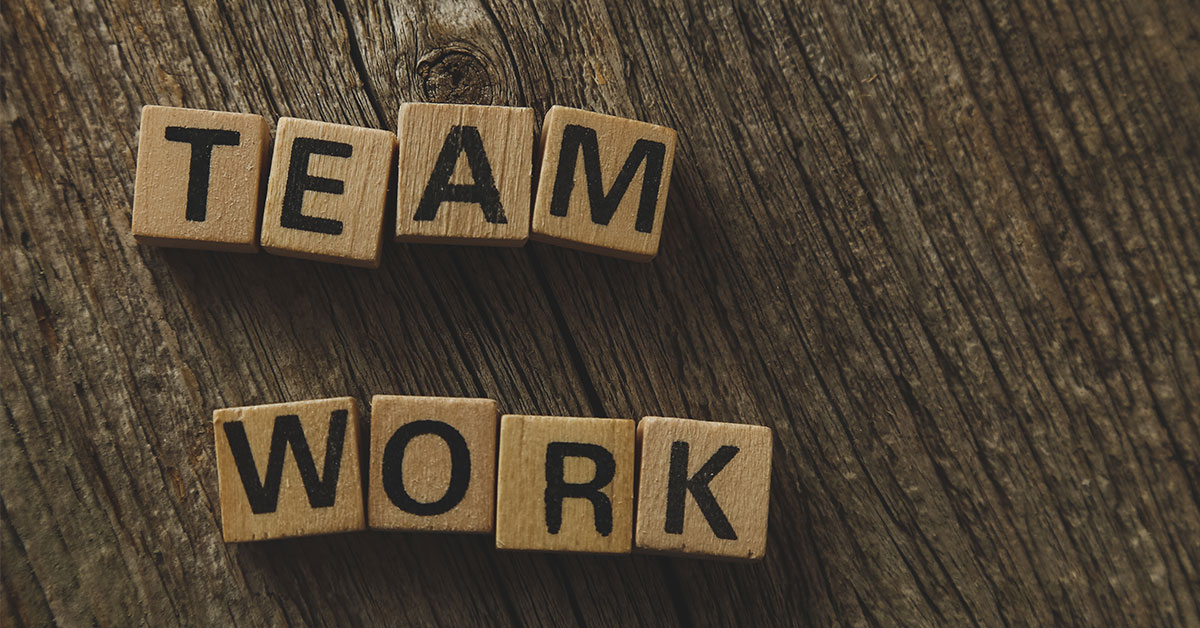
{"x": 433, "y": 464}
{"x": 603, "y": 183}
{"x": 464, "y": 174}
{"x": 325, "y": 196}
{"x": 199, "y": 178}
{"x": 267, "y": 494}
{"x": 565, "y": 484}
{"x": 703, "y": 488}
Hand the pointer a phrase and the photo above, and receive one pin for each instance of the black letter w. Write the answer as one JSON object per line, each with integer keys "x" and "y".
{"x": 264, "y": 496}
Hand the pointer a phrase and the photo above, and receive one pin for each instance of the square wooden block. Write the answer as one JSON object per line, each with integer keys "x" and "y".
{"x": 199, "y": 178}
{"x": 433, "y": 464}
{"x": 464, "y": 174}
{"x": 289, "y": 469}
{"x": 603, "y": 183}
{"x": 565, "y": 484}
{"x": 325, "y": 197}
{"x": 703, "y": 488}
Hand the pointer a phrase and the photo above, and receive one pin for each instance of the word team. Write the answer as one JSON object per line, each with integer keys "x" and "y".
{"x": 444, "y": 464}
{"x": 464, "y": 175}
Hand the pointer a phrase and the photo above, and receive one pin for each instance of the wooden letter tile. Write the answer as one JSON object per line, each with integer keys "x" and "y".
{"x": 603, "y": 183}
{"x": 199, "y": 178}
{"x": 325, "y": 197}
{"x": 703, "y": 488}
{"x": 289, "y": 469}
{"x": 433, "y": 464}
{"x": 464, "y": 174}
{"x": 565, "y": 484}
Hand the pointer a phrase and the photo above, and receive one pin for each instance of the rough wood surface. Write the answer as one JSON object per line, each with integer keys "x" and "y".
{"x": 949, "y": 251}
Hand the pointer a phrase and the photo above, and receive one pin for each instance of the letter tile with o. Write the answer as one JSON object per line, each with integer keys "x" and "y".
{"x": 433, "y": 464}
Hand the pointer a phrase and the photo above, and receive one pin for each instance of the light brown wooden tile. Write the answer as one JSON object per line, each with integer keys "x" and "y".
{"x": 464, "y": 174}
{"x": 703, "y": 488}
{"x": 433, "y": 464}
{"x": 603, "y": 183}
{"x": 325, "y": 197}
{"x": 565, "y": 484}
{"x": 289, "y": 469}
{"x": 199, "y": 178}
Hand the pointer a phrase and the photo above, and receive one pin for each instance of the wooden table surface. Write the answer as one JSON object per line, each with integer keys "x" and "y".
{"x": 949, "y": 251}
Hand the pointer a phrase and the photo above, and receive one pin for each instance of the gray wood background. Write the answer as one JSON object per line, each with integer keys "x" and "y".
{"x": 949, "y": 251}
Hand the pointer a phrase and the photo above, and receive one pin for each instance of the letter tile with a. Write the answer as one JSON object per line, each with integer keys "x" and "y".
{"x": 464, "y": 174}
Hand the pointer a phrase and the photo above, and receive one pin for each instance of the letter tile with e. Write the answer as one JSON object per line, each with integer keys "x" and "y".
{"x": 267, "y": 493}
{"x": 703, "y": 488}
{"x": 433, "y": 464}
{"x": 565, "y": 484}
{"x": 326, "y": 194}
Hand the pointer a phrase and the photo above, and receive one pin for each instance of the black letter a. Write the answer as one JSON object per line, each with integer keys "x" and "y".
{"x": 264, "y": 496}
{"x": 462, "y": 139}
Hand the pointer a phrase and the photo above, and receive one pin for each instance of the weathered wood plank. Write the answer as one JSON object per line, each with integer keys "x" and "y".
{"x": 949, "y": 252}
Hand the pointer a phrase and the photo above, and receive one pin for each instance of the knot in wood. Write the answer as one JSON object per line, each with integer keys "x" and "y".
{"x": 455, "y": 75}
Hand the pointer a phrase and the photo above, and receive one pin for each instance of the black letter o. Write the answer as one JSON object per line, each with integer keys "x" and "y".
{"x": 393, "y": 468}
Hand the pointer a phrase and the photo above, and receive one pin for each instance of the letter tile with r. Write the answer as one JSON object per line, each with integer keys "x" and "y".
{"x": 565, "y": 484}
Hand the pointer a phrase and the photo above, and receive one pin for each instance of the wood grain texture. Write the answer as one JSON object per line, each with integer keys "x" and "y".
{"x": 948, "y": 251}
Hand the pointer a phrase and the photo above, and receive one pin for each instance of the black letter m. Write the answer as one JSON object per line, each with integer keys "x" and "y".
{"x": 580, "y": 138}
